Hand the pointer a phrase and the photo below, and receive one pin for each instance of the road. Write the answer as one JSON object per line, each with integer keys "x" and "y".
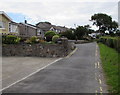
{"x": 79, "y": 73}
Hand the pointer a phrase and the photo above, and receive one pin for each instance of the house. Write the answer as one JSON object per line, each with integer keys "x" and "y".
{"x": 4, "y": 22}
{"x": 56, "y": 29}
{"x": 62, "y": 28}
{"x": 14, "y": 28}
{"x": 46, "y": 26}
{"x": 29, "y": 30}
{"x": 40, "y": 32}
{"x": 8, "y": 27}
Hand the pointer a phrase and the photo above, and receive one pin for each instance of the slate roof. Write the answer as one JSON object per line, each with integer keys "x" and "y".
{"x": 44, "y": 26}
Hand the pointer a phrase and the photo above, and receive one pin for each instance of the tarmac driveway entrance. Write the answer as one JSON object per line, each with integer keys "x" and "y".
{"x": 16, "y": 68}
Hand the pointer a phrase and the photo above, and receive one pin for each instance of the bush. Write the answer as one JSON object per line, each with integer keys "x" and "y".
{"x": 55, "y": 38}
{"x": 49, "y": 35}
{"x": 10, "y": 39}
{"x": 41, "y": 41}
{"x": 34, "y": 39}
{"x": 28, "y": 41}
{"x": 113, "y": 42}
{"x": 109, "y": 42}
{"x": 31, "y": 40}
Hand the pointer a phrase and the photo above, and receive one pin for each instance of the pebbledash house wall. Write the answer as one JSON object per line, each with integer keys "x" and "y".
{"x": 38, "y": 50}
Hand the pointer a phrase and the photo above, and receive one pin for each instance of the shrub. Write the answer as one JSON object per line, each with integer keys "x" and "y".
{"x": 10, "y": 39}
{"x": 110, "y": 42}
{"x": 113, "y": 42}
{"x": 41, "y": 41}
{"x": 4, "y": 38}
{"x": 34, "y": 39}
{"x": 55, "y": 38}
{"x": 28, "y": 41}
{"x": 49, "y": 35}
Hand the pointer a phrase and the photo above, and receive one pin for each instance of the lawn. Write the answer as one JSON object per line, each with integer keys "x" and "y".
{"x": 111, "y": 64}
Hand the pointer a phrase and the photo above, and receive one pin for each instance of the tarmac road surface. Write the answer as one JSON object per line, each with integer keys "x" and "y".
{"x": 79, "y": 73}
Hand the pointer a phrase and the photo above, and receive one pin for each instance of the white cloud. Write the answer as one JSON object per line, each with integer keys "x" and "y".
{"x": 60, "y": 12}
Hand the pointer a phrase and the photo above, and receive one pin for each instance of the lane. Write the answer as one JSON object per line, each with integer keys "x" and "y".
{"x": 75, "y": 74}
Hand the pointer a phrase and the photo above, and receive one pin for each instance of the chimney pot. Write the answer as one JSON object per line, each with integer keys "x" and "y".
{"x": 25, "y": 21}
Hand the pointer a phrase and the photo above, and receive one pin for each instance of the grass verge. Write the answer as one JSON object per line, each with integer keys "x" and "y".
{"x": 111, "y": 66}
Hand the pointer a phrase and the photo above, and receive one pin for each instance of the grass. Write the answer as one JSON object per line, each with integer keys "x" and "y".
{"x": 111, "y": 65}
{"x": 109, "y": 37}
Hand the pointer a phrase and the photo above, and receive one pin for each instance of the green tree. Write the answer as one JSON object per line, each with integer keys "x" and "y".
{"x": 69, "y": 34}
{"x": 104, "y": 22}
{"x": 80, "y": 32}
{"x": 113, "y": 27}
{"x": 88, "y": 30}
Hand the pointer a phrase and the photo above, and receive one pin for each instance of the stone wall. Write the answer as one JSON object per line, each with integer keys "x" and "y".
{"x": 39, "y": 50}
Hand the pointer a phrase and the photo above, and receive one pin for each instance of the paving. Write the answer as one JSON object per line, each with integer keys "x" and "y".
{"x": 79, "y": 73}
{"x": 16, "y": 68}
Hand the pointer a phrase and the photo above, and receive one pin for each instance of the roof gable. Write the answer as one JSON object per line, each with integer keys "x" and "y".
{"x": 3, "y": 13}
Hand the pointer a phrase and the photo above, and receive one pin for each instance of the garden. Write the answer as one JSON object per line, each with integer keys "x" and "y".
{"x": 50, "y": 38}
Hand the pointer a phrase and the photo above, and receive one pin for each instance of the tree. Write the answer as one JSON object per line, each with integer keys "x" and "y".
{"x": 69, "y": 34}
{"x": 80, "y": 32}
{"x": 113, "y": 26}
{"x": 87, "y": 26}
{"x": 104, "y": 22}
{"x": 89, "y": 31}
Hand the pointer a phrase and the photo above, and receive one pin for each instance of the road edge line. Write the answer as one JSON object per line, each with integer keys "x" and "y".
{"x": 71, "y": 53}
{"x": 30, "y": 75}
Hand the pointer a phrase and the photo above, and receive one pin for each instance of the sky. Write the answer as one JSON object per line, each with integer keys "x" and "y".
{"x": 69, "y": 13}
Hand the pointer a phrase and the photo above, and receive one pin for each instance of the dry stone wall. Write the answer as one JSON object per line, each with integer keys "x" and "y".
{"x": 38, "y": 50}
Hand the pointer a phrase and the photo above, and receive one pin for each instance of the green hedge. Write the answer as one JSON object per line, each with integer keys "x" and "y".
{"x": 113, "y": 42}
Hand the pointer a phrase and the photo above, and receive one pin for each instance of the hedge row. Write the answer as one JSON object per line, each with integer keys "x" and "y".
{"x": 113, "y": 42}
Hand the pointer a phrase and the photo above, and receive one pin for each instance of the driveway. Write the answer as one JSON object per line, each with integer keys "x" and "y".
{"x": 79, "y": 73}
{"x": 16, "y": 68}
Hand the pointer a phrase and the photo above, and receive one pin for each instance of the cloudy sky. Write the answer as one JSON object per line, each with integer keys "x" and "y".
{"x": 59, "y": 12}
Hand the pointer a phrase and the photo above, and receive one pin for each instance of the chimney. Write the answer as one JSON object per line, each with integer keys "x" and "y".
{"x": 25, "y": 21}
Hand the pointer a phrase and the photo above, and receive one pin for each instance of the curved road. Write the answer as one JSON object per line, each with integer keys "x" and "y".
{"x": 79, "y": 73}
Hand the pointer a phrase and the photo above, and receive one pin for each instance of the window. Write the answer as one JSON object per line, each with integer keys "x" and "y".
{"x": 38, "y": 32}
{"x": 2, "y": 24}
{"x": 13, "y": 28}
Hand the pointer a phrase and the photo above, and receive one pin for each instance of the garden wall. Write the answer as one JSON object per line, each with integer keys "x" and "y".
{"x": 38, "y": 50}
